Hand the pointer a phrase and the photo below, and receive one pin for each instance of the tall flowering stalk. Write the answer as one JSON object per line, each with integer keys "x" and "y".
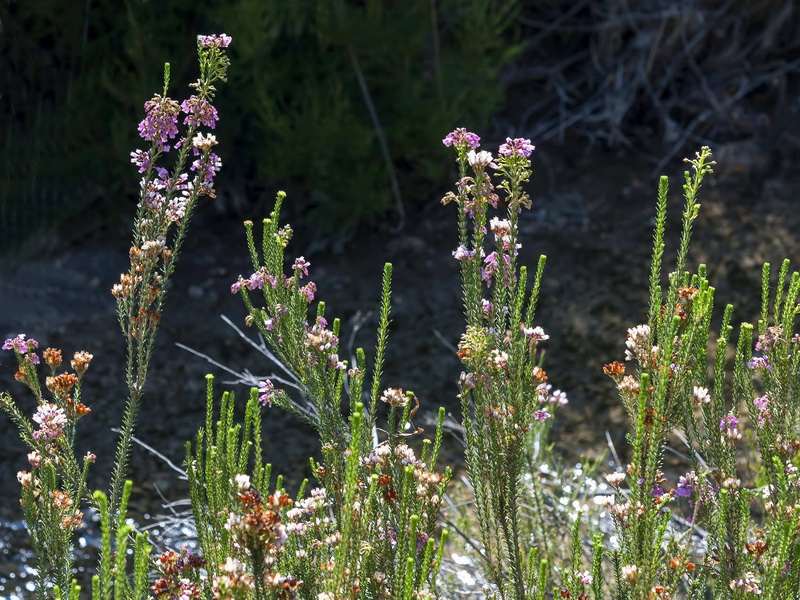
{"x": 56, "y": 485}
{"x": 503, "y": 390}
{"x": 669, "y": 354}
{"x": 740, "y": 541}
{"x": 166, "y": 202}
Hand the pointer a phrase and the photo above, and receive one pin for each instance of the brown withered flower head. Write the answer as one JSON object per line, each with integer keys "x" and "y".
{"x": 61, "y": 385}
{"x": 80, "y": 362}
{"x": 52, "y": 357}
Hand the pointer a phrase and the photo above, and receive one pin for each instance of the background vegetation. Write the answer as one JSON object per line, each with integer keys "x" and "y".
{"x": 359, "y": 93}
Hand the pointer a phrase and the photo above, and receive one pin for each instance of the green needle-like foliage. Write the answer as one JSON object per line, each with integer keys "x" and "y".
{"x": 729, "y": 527}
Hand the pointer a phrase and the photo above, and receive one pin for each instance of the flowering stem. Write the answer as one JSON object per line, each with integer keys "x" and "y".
{"x": 167, "y": 201}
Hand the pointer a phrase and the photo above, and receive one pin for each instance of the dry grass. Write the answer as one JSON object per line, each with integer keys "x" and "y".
{"x": 666, "y": 74}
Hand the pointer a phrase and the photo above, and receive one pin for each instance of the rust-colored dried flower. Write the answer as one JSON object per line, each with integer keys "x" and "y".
{"x": 538, "y": 376}
{"x": 21, "y": 376}
{"x": 61, "y": 499}
{"x": 52, "y": 356}
{"x": 615, "y": 370}
{"x": 76, "y": 411}
{"x": 124, "y": 287}
{"x": 72, "y": 521}
{"x": 60, "y": 385}
{"x": 80, "y": 362}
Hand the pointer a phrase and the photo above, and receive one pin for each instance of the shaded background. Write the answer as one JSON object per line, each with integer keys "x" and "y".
{"x": 612, "y": 94}
{"x": 317, "y": 85}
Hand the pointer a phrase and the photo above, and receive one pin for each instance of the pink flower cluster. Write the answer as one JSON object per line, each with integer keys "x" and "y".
{"x": 23, "y": 347}
{"x": 517, "y": 147}
{"x": 214, "y": 41}
{"x": 267, "y": 392}
{"x": 199, "y": 112}
{"x": 51, "y": 420}
{"x": 461, "y": 138}
{"x": 261, "y": 277}
{"x": 160, "y": 122}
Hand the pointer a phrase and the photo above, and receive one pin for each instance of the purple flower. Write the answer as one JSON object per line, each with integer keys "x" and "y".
{"x": 159, "y": 125}
{"x": 461, "y": 253}
{"x": 461, "y": 138}
{"x": 767, "y": 341}
{"x": 267, "y": 392}
{"x": 20, "y": 344}
{"x": 517, "y": 146}
{"x": 199, "y": 111}
{"x": 687, "y": 484}
{"x": 257, "y": 280}
{"x": 152, "y": 190}
{"x": 208, "y": 169}
{"x": 541, "y": 415}
{"x": 308, "y": 290}
{"x": 300, "y": 266}
{"x": 728, "y": 424}
{"x": 422, "y": 540}
{"x": 762, "y": 404}
{"x": 142, "y": 159}
{"x": 760, "y": 362}
{"x": 491, "y": 262}
{"x": 214, "y": 41}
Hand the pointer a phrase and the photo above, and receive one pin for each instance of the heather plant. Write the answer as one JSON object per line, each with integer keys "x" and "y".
{"x": 503, "y": 390}
{"x": 376, "y": 540}
{"x": 383, "y": 501}
{"x": 729, "y": 527}
{"x": 741, "y": 540}
{"x": 710, "y": 532}
{"x": 54, "y": 489}
{"x": 52, "y": 492}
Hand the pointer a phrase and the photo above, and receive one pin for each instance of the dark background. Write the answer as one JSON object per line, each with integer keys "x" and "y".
{"x": 659, "y": 78}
